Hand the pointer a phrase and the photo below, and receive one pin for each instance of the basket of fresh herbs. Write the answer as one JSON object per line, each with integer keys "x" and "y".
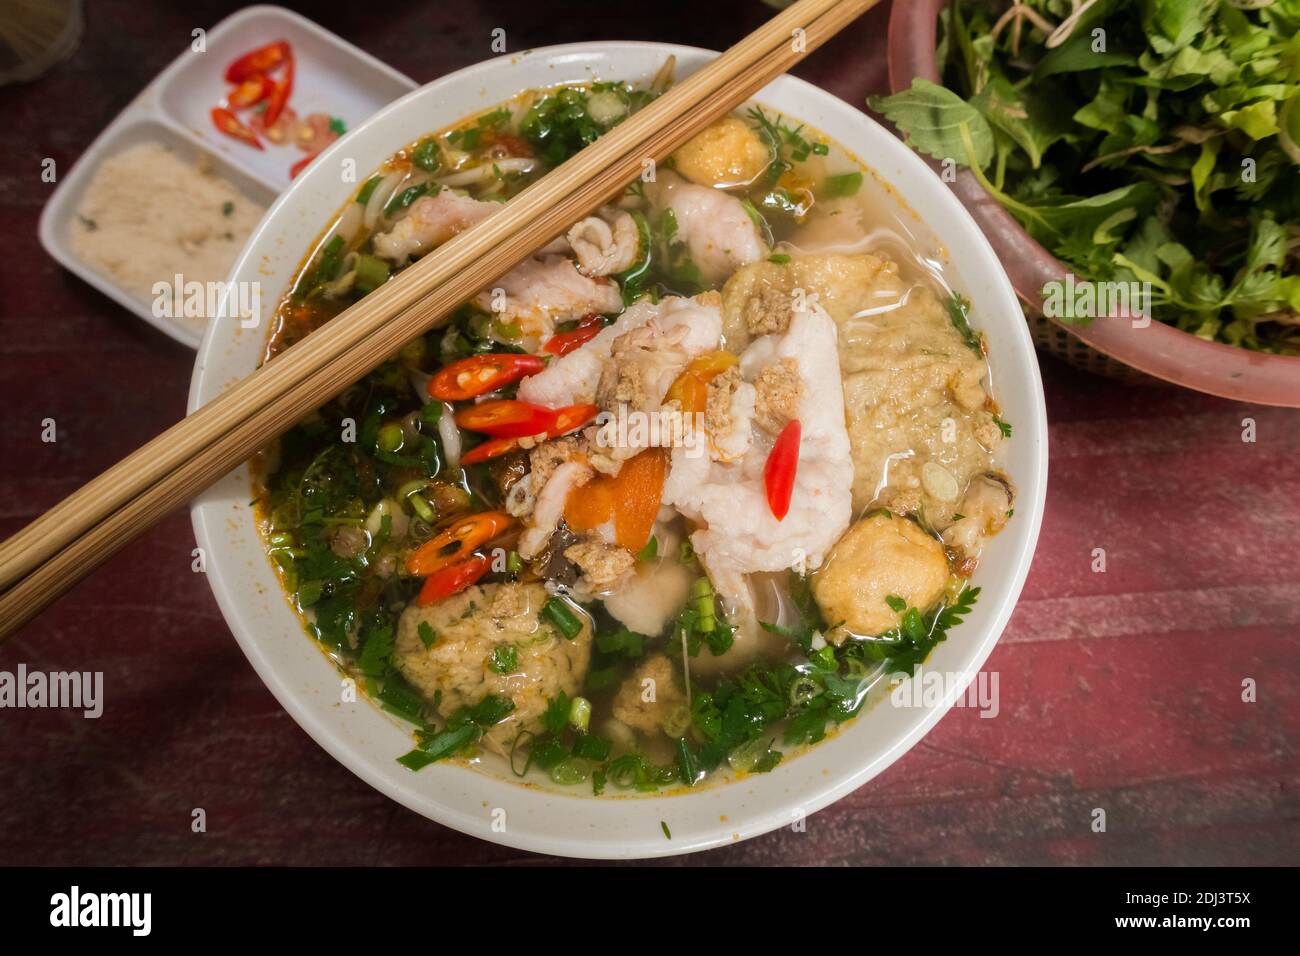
{"x": 1146, "y": 144}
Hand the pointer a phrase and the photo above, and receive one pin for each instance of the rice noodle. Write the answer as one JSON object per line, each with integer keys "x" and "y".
{"x": 450, "y": 436}
{"x": 485, "y": 171}
{"x": 349, "y": 223}
{"x": 346, "y": 279}
{"x": 521, "y": 109}
{"x": 379, "y": 198}
{"x": 419, "y": 382}
{"x": 412, "y": 179}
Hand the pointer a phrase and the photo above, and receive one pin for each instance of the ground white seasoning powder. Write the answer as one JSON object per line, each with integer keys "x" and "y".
{"x": 148, "y": 215}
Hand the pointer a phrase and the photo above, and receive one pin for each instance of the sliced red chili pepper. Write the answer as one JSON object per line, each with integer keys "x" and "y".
{"x": 262, "y": 60}
{"x": 566, "y": 420}
{"x": 453, "y": 579}
{"x": 562, "y": 343}
{"x": 457, "y": 540}
{"x": 571, "y": 417}
{"x": 249, "y": 92}
{"x": 506, "y": 419}
{"x": 480, "y": 374}
{"x": 228, "y": 123}
{"x": 779, "y": 472}
{"x": 280, "y": 95}
{"x": 493, "y": 448}
{"x": 302, "y": 164}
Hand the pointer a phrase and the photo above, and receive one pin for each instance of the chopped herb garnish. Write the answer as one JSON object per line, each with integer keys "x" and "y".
{"x": 558, "y": 613}
{"x": 650, "y": 551}
{"x": 504, "y": 659}
{"x": 844, "y": 184}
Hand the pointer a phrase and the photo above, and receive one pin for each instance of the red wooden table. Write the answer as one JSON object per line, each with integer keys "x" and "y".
{"x": 1120, "y": 690}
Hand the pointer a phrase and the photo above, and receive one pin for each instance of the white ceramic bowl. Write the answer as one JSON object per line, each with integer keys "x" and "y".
{"x": 366, "y": 740}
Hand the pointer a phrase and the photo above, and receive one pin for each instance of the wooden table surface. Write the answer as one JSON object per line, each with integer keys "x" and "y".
{"x": 1120, "y": 690}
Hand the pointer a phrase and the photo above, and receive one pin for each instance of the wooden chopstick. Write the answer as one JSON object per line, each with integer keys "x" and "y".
{"x": 100, "y": 497}
{"x": 54, "y": 551}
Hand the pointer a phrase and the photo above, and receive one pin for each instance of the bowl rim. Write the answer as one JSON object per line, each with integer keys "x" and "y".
{"x": 1160, "y": 350}
{"x": 376, "y": 770}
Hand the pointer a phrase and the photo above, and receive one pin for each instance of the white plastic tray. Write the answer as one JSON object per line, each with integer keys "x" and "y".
{"x": 331, "y": 76}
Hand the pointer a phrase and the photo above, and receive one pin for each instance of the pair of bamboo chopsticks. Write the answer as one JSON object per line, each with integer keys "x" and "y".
{"x": 47, "y": 557}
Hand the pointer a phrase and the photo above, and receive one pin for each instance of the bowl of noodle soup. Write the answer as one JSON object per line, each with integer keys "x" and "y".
{"x": 478, "y": 648}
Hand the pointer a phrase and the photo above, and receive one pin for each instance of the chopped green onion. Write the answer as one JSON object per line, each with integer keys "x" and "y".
{"x": 363, "y": 196}
{"x": 514, "y": 563}
{"x": 650, "y": 551}
{"x": 422, "y": 508}
{"x": 407, "y": 196}
{"x": 309, "y": 592}
{"x": 425, "y": 155}
{"x": 431, "y": 413}
{"x": 409, "y": 493}
{"x": 391, "y": 438}
{"x": 547, "y": 753}
{"x": 372, "y": 272}
{"x": 416, "y": 760}
{"x": 411, "y": 487}
{"x": 702, "y": 594}
{"x": 580, "y": 714}
{"x": 748, "y": 755}
{"x": 592, "y": 748}
{"x": 677, "y": 721}
{"x": 802, "y": 690}
{"x": 504, "y": 659}
{"x": 686, "y": 765}
{"x": 445, "y": 743}
{"x": 845, "y": 184}
{"x": 568, "y": 772}
{"x": 558, "y": 613}
{"x": 401, "y": 700}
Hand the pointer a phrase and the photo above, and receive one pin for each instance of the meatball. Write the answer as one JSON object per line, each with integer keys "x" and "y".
{"x": 655, "y": 679}
{"x": 728, "y": 153}
{"x": 879, "y": 557}
{"x": 464, "y": 630}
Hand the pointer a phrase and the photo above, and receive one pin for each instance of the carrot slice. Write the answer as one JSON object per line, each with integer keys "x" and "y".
{"x": 630, "y": 499}
{"x": 590, "y": 506}
{"x": 640, "y": 491}
{"x": 691, "y": 388}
